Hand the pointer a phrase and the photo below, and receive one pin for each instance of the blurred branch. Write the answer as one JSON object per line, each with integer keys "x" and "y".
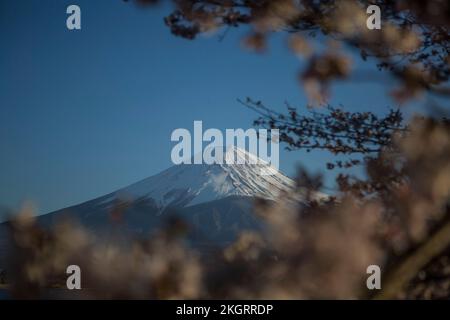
{"x": 335, "y": 130}
{"x": 405, "y": 271}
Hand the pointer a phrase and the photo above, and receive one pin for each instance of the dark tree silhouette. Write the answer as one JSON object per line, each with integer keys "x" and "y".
{"x": 413, "y": 43}
{"x": 335, "y": 130}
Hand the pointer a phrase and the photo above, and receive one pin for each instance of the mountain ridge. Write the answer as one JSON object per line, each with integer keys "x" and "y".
{"x": 189, "y": 184}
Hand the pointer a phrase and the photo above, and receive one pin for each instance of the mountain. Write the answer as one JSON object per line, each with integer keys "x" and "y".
{"x": 215, "y": 201}
{"x": 187, "y": 184}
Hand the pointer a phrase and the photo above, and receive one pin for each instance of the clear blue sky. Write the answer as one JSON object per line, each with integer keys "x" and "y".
{"x": 84, "y": 113}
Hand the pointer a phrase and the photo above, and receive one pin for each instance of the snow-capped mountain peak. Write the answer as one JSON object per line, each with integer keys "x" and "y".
{"x": 216, "y": 200}
{"x": 189, "y": 184}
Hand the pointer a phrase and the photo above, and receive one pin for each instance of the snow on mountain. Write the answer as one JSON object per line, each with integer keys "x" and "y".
{"x": 215, "y": 200}
{"x": 190, "y": 184}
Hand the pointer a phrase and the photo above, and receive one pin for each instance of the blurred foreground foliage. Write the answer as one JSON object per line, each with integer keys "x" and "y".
{"x": 317, "y": 251}
{"x": 412, "y": 45}
{"x": 396, "y": 217}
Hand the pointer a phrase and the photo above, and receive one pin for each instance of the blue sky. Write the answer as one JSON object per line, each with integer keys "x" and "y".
{"x": 83, "y": 113}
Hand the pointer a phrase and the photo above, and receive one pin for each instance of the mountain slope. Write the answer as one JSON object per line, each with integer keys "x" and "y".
{"x": 215, "y": 200}
{"x": 215, "y": 222}
{"x": 190, "y": 184}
